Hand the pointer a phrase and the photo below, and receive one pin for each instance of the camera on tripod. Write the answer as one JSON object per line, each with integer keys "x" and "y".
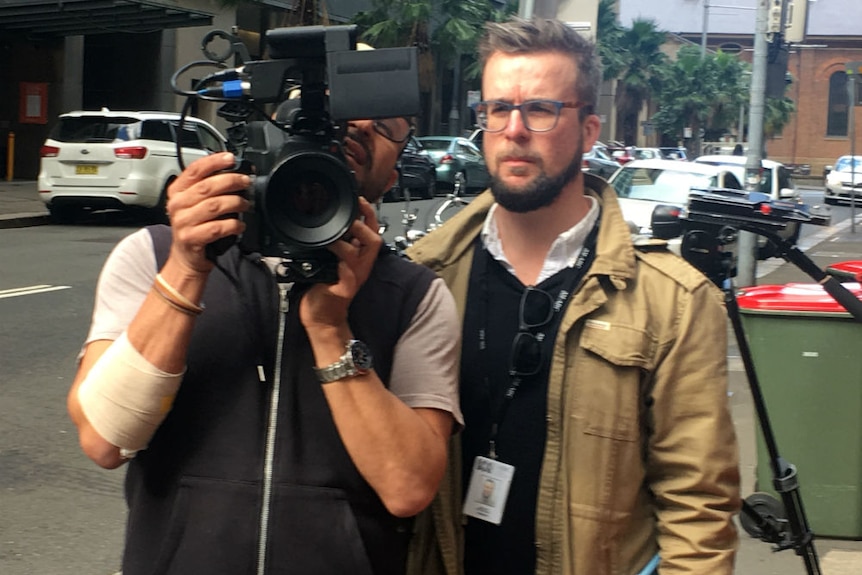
{"x": 305, "y": 194}
{"x": 710, "y": 223}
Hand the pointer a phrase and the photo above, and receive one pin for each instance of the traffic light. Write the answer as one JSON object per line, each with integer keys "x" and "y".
{"x": 775, "y": 23}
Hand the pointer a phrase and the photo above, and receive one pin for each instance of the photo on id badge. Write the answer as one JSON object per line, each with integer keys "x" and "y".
{"x": 488, "y": 490}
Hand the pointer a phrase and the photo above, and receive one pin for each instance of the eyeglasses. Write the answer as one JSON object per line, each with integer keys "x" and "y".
{"x": 537, "y": 115}
{"x": 396, "y": 130}
{"x": 536, "y": 310}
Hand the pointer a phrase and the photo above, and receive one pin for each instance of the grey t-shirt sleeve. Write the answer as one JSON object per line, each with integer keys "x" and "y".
{"x": 124, "y": 282}
{"x": 425, "y": 365}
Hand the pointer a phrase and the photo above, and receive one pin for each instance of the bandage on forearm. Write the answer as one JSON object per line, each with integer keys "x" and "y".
{"x": 125, "y": 398}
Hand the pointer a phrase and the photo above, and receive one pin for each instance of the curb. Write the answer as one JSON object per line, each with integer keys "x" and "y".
{"x": 24, "y": 220}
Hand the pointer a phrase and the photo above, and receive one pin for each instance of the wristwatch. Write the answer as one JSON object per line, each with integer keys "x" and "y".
{"x": 356, "y": 360}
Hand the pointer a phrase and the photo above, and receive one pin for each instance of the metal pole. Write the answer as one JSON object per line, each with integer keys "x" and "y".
{"x": 851, "y": 101}
{"x": 747, "y": 262}
{"x": 525, "y": 8}
{"x": 705, "y": 28}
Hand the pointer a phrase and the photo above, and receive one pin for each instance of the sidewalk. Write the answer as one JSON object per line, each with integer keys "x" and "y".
{"x": 20, "y": 206}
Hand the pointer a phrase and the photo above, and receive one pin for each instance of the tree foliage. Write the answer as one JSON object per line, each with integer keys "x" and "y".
{"x": 637, "y": 57}
{"x": 703, "y": 92}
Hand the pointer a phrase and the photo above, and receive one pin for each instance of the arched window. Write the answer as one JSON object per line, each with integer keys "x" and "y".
{"x": 837, "y": 118}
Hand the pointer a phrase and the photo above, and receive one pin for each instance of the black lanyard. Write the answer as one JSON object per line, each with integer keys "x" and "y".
{"x": 575, "y": 275}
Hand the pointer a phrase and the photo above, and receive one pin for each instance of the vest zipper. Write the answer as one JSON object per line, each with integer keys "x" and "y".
{"x": 272, "y": 425}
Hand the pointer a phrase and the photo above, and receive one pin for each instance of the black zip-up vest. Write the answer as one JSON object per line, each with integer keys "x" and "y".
{"x": 195, "y": 495}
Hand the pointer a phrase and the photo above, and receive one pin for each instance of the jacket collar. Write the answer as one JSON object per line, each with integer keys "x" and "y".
{"x": 615, "y": 253}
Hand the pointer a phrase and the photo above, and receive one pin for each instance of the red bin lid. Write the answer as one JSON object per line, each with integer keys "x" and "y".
{"x": 803, "y": 297}
{"x": 851, "y": 268}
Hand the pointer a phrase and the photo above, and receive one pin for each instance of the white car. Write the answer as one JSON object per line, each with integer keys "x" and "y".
{"x": 845, "y": 175}
{"x": 642, "y": 185}
{"x": 776, "y": 179}
{"x": 110, "y": 159}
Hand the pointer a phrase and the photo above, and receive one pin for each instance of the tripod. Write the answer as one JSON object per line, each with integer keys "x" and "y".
{"x": 792, "y": 532}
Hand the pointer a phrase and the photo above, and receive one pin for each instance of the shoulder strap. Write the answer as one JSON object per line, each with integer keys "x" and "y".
{"x": 162, "y": 239}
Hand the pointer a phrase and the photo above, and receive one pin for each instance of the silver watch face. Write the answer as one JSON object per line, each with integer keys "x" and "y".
{"x": 361, "y": 355}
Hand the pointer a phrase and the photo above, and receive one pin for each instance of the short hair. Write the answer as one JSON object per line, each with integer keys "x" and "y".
{"x": 522, "y": 36}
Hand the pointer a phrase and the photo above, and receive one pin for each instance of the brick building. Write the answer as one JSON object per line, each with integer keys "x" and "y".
{"x": 819, "y": 131}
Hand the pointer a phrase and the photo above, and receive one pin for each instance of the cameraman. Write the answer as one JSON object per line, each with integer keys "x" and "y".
{"x": 258, "y": 437}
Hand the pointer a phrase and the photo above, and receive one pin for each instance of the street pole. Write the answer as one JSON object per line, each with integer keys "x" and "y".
{"x": 747, "y": 261}
{"x": 704, "y": 30}
{"x": 525, "y": 8}
{"x": 851, "y": 101}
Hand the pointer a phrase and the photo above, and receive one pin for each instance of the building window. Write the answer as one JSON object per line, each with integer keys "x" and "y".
{"x": 836, "y": 122}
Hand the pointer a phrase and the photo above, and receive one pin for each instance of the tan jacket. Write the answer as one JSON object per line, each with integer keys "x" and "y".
{"x": 641, "y": 453}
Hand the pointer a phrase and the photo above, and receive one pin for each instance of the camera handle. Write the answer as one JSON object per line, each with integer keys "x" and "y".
{"x": 773, "y": 529}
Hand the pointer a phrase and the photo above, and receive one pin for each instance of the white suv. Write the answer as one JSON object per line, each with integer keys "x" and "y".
{"x": 776, "y": 181}
{"x": 108, "y": 159}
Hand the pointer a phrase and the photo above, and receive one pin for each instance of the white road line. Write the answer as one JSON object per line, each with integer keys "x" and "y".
{"x": 804, "y": 244}
{"x": 30, "y": 290}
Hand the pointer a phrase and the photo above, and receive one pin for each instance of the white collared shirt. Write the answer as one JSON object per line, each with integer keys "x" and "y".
{"x": 564, "y": 251}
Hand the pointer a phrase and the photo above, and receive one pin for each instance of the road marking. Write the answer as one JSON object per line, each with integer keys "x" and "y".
{"x": 30, "y": 290}
{"x": 804, "y": 244}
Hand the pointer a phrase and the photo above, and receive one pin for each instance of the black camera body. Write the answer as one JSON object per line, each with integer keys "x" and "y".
{"x": 710, "y": 224}
{"x": 305, "y": 195}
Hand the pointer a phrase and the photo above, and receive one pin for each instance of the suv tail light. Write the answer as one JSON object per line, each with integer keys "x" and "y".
{"x": 447, "y": 159}
{"x": 131, "y": 152}
{"x": 49, "y": 152}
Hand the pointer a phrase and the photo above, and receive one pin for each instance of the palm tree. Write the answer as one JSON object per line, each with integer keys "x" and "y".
{"x": 699, "y": 92}
{"x": 444, "y": 31}
{"x": 640, "y": 51}
{"x": 609, "y": 40}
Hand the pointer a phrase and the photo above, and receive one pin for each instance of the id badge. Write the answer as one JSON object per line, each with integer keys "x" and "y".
{"x": 488, "y": 490}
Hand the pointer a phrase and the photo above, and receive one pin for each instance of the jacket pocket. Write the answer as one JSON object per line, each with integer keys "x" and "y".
{"x": 213, "y": 529}
{"x": 315, "y": 532}
{"x": 609, "y": 370}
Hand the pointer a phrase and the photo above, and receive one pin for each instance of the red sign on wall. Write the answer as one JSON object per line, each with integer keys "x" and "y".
{"x": 33, "y": 103}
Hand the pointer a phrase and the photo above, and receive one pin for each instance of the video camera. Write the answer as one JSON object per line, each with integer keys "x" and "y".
{"x": 305, "y": 195}
{"x": 710, "y": 224}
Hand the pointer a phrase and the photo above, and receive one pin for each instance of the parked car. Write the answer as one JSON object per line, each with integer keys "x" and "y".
{"x": 112, "y": 159}
{"x": 670, "y": 153}
{"x": 641, "y": 185}
{"x": 776, "y": 179}
{"x": 418, "y": 173}
{"x": 457, "y": 160}
{"x": 845, "y": 175}
{"x": 646, "y": 154}
{"x": 622, "y": 155}
{"x": 599, "y": 163}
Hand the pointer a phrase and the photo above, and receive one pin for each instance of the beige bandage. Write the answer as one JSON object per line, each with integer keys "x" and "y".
{"x": 125, "y": 398}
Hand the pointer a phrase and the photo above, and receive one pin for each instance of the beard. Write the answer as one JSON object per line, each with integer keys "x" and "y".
{"x": 540, "y": 192}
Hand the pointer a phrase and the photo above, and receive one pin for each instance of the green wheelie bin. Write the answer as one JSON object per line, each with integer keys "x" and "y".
{"x": 807, "y": 354}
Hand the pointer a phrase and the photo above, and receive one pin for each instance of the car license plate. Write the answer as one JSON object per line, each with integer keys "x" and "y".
{"x": 86, "y": 170}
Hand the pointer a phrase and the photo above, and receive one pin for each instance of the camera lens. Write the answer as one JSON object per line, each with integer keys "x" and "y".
{"x": 310, "y": 199}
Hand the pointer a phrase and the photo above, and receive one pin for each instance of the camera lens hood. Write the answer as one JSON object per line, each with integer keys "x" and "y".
{"x": 310, "y": 199}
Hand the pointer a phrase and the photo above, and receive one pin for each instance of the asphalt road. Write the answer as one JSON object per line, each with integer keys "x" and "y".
{"x": 60, "y": 514}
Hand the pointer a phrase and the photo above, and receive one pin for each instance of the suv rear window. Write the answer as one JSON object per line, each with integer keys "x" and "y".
{"x": 90, "y": 129}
